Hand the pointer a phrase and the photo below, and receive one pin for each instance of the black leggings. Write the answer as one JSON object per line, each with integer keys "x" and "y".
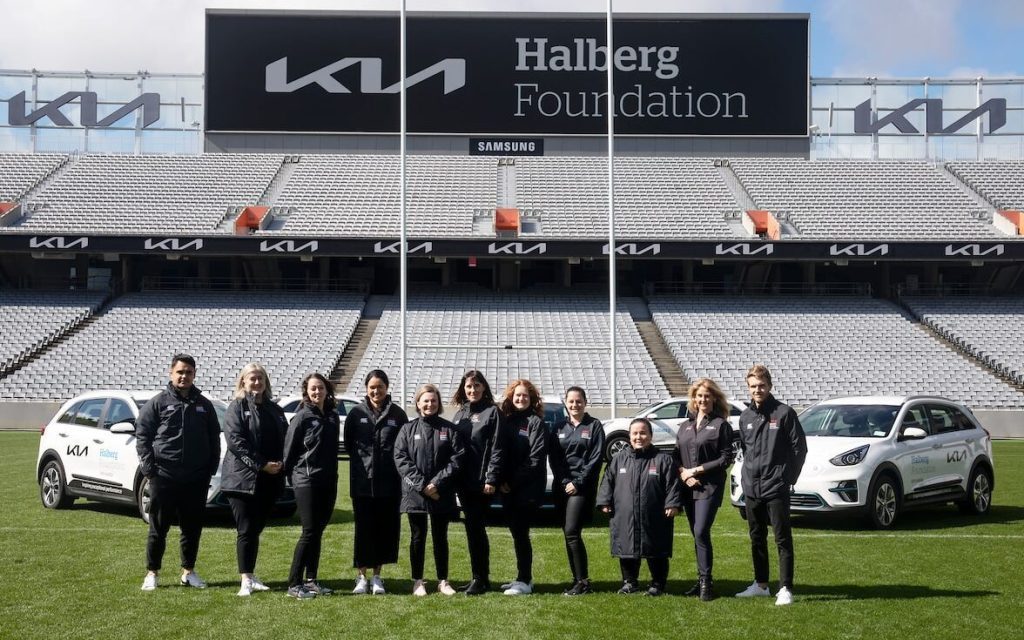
{"x": 418, "y": 543}
{"x": 251, "y": 513}
{"x": 576, "y": 513}
{"x": 316, "y": 506}
{"x": 631, "y": 570}
{"x": 518, "y": 515}
{"x": 474, "y": 513}
{"x": 169, "y": 500}
{"x": 701, "y": 516}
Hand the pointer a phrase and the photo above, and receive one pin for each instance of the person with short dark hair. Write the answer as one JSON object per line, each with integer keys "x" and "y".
{"x": 178, "y": 442}
{"x": 311, "y": 461}
{"x": 374, "y": 484}
{"x": 575, "y": 449}
{"x": 641, "y": 492}
{"x": 774, "y": 450}
{"x": 704, "y": 452}
{"x": 252, "y": 475}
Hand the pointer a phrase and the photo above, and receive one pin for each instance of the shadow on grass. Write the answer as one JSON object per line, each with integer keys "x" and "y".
{"x": 932, "y": 517}
{"x": 216, "y": 517}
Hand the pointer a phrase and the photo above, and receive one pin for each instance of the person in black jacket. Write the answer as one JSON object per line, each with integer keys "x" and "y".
{"x": 642, "y": 492}
{"x": 429, "y": 452}
{"x": 311, "y": 460}
{"x": 376, "y": 490}
{"x": 252, "y": 471}
{"x": 479, "y": 424}
{"x": 178, "y": 442}
{"x": 524, "y": 475}
{"x": 774, "y": 448}
{"x": 704, "y": 452}
{"x": 576, "y": 447}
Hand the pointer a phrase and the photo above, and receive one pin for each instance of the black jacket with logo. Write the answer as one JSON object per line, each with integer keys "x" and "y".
{"x": 311, "y": 447}
{"x": 526, "y": 456}
{"x": 429, "y": 450}
{"x": 576, "y": 453}
{"x": 479, "y": 424}
{"x": 178, "y": 438}
{"x": 774, "y": 449}
{"x": 250, "y": 429}
{"x": 639, "y": 486}
{"x": 710, "y": 446}
{"x": 370, "y": 444}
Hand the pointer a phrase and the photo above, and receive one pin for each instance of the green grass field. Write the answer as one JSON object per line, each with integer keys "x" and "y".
{"x": 76, "y": 574}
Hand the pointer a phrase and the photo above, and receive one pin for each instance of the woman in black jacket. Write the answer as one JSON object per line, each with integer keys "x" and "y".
{"x": 251, "y": 473}
{"x": 376, "y": 490}
{"x": 641, "y": 491}
{"x": 703, "y": 453}
{"x": 479, "y": 424}
{"x": 576, "y": 447}
{"x": 429, "y": 452}
{"x": 311, "y": 460}
{"x": 524, "y": 476}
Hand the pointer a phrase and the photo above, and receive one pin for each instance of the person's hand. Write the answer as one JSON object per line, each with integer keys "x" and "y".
{"x": 489, "y": 489}
{"x": 692, "y": 482}
{"x": 431, "y": 492}
{"x": 685, "y": 474}
{"x": 606, "y": 509}
{"x": 671, "y": 512}
{"x": 273, "y": 468}
{"x": 570, "y": 489}
{"x": 505, "y": 488}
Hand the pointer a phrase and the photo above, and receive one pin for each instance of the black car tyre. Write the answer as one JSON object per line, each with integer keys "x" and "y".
{"x": 53, "y": 488}
{"x": 979, "y": 493}
{"x": 883, "y": 502}
{"x": 615, "y": 444}
{"x": 143, "y": 498}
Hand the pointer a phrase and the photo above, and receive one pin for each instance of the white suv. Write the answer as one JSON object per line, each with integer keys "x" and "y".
{"x": 665, "y": 417}
{"x": 877, "y": 455}
{"x": 88, "y": 450}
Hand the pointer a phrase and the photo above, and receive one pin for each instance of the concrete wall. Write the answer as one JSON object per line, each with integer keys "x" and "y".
{"x": 26, "y": 415}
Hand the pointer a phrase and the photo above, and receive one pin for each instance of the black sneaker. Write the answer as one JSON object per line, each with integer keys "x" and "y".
{"x": 316, "y": 588}
{"x": 580, "y": 588}
{"x": 629, "y": 587}
{"x": 300, "y": 592}
{"x": 477, "y": 587}
{"x": 707, "y": 590}
{"x": 655, "y": 590}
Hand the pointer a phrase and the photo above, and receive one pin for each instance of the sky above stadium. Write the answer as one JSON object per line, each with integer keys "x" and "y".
{"x": 883, "y": 38}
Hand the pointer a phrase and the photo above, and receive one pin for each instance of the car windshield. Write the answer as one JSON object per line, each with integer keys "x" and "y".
{"x": 849, "y": 420}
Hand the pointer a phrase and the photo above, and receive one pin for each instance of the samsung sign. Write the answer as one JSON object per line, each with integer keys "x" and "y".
{"x": 486, "y": 75}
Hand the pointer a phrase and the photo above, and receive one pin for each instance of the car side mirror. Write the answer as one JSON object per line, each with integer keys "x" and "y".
{"x": 122, "y": 427}
{"x": 913, "y": 433}
{"x": 651, "y": 416}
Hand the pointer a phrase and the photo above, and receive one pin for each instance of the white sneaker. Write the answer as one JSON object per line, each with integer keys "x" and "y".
{"x": 149, "y": 582}
{"x": 247, "y": 587}
{"x": 507, "y": 585}
{"x": 445, "y": 588}
{"x": 519, "y": 589}
{"x": 783, "y": 597}
{"x": 192, "y": 579}
{"x": 257, "y": 585}
{"x": 377, "y": 586}
{"x": 754, "y": 591}
{"x": 361, "y": 586}
{"x": 419, "y": 588}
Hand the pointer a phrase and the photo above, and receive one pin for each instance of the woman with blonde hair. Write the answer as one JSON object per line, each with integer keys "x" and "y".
{"x": 251, "y": 473}
{"x": 703, "y": 453}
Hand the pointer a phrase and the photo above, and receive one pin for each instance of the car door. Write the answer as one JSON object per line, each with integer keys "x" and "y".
{"x": 916, "y": 460}
{"x": 88, "y": 438}
{"x": 949, "y": 441}
{"x": 118, "y": 460}
{"x": 668, "y": 417}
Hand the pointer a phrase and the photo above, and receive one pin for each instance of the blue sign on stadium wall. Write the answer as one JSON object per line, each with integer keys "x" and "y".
{"x": 521, "y": 75}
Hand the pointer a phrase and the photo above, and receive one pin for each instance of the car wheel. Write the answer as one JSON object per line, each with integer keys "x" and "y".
{"x": 883, "y": 502}
{"x": 979, "y": 493}
{"x": 615, "y": 444}
{"x": 53, "y": 489}
{"x": 143, "y": 497}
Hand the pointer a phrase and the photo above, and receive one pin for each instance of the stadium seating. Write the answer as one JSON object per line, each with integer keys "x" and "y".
{"x": 988, "y": 328}
{"x": 532, "y": 318}
{"x": 130, "y": 345}
{"x": 19, "y": 172}
{"x": 31, "y": 319}
{"x": 821, "y": 347}
{"x": 1000, "y": 181}
{"x": 863, "y": 200}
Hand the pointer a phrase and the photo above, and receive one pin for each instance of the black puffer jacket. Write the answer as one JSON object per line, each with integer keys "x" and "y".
{"x": 479, "y": 424}
{"x": 576, "y": 453}
{"x": 178, "y": 438}
{"x": 370, "y": 443}
{"x": 774, "y": 448}
{"x": 428, "y": 451}
{"x": 526, "y": 456}
{"x": 639, "y": 486}
{"x": 311, "y": 447}
{"x": 254, "y": 432}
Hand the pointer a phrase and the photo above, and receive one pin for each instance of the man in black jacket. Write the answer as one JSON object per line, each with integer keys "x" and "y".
{"x": 178, "y": 442}
{"x": 774, "y": 449}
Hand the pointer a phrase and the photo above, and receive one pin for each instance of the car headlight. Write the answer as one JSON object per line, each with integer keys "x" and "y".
{"x": 851, "y": 457}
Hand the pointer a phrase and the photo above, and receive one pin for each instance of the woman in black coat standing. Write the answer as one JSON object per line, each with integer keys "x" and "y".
{"x": 374, "y": 484}
{"x": 641, "y": 491}
{"x": 251, "y": 472}
{"x": 311, "y": 461}
{"x": 703, "y": 453}
{"x": 524, "y": 476}
{"x": 429, "y": 452}
{"x": 576, "y": 448}
{"x": 479, "y": 424}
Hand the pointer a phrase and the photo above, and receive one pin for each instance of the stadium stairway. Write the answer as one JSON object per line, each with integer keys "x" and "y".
{"x": 343, "y": 371}
{"x": 666, "y": 364}
{"x": 983, "y": 203}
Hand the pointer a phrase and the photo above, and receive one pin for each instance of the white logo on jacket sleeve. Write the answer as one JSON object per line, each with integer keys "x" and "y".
{"x": 622, "y": 469}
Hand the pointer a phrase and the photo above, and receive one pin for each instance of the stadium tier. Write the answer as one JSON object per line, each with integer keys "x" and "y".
{"x": 31, "y": 319}
{"x": 130, "y": 345}
{"x": 555, "y": 320}
{"x": 1001, "y": 182}
{"x": 821, "y": 347}
{"x": 20, "y": 172}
